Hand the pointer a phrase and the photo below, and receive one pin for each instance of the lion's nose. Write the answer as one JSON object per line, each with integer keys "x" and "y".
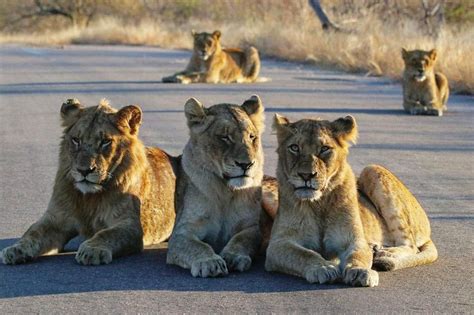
{"x": 244, "y": 166}
{"x": 307, "y": 176}
{"x": 86, "y": 171}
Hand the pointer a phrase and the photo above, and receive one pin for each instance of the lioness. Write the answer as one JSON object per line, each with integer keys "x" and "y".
{"x": 210, "y": 63}
{"x": 425, "y": 92}
{"x": 325, "y": 228}
{"x": 219, "y": 189}
{"x": 109, "y": 188}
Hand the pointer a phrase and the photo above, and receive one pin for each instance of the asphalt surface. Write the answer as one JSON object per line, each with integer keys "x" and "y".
{"x": 433, "y": 156}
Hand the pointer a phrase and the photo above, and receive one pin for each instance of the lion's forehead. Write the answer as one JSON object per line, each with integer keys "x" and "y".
{"x": 93, "y": 125}
{"x": 233, "y": 117}
{"x": 313, "y": 130}
{"x": 202, "y": 37}
{"x": 418, "y": 55}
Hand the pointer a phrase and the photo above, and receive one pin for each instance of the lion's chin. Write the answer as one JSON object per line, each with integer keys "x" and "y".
{"x": 239, "y": 183}
{"x": 88, "y": 187}
{"x": 308, "y": 194}
{"x": 420, "y": 78}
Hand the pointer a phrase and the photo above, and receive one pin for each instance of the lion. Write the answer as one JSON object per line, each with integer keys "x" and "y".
{"x": 328, "y": 226}
{"x": 219, "y": 191}
{"x": 210, "y": 63}
{"x": 109, "y": 188}
{"x": 425, "y": 92}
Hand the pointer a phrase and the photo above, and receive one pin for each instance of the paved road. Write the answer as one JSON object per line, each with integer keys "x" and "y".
{"x": 434, "y": 156}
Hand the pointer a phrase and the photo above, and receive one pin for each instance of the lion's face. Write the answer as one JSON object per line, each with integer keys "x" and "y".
{"x": 311, "y": 152}
{"x": 95, "y": 140}
{"x": 205, "y": 44}
{"x": 419, "y": 63}
{"x": 227, "y": 137}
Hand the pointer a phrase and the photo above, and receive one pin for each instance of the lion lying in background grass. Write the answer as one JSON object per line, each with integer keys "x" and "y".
{"x": 210, "y": 63}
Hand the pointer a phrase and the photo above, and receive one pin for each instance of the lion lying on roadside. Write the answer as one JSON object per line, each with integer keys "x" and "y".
{"x": 210, "y": 63}
{"x": 328, "y": 227}
{"x": 109, "y": 188}
{"x": 219, "y": 193}
{"x": 425, "y": 92}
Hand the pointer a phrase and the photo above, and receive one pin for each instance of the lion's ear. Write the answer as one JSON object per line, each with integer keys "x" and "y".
{"x": 129, "y": 118}
{"x": 196, "y": 115}
{"x": 405, "y": 54}
{"x": 254, "y": 108}
{"x": 71, "y": 111}
{"x": 281, "y": 125}
{"x": 345, "y": 129}
{"x": 216, "y": 35}
{"x": 193, "y": 32}
{"x": 433, "y": 54}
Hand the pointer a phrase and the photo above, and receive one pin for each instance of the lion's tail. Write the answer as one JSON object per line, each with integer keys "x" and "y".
{"x": 428, "y": 254}
{"x": 252, "y": 64}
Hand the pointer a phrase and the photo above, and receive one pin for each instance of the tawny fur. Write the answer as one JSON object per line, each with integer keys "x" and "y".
{"x": 219, "y": 212}
{"x": 325, "y": 230}
{"x": 123, "y": 199}
{"x": 210, "y": 63}
{"x": 425, "y": 92}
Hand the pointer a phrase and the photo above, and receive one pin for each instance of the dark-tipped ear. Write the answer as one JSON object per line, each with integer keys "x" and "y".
{"x": 404, "y": 54}
{"x": 345, "y": 129}
{"x": 71, "y": 111}
{"x": 193, "y": 32}
{"x": 216, "y": 34}
{"x": 433, "y": 54}
{"x": 254, "y": 108}
{"x": 129, "y": 118}
{"x": 281, "y": 125}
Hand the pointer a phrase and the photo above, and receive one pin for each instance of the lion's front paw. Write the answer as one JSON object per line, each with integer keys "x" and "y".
{"x": 322, "y": 274}
{"x": 237, "y": 262}
{"x": 91, "y": 255}
{"x": 17, "y": 254}
{"x": 170, "y": 79}
{"x": 209, "y": 267}
{"x": 182, "y": 79}
{"x": 361, "y": 277}
{"x": 434, "y": 112}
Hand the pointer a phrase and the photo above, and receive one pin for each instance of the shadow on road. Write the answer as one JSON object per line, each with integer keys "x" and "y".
{"x": 60, "y": 274}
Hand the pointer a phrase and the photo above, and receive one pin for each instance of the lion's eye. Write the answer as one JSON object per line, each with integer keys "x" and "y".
{"x": 252, "y": 137}
{"x": 226, "y": 139}
{"x": 294, "y": 148}
{"x": 105, "y": 142}
{"x": 76, "y": 141}
{"x": 324, "y": 148}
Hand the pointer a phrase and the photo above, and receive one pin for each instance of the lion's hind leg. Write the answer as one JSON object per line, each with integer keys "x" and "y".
{"x": 407, "y": 242}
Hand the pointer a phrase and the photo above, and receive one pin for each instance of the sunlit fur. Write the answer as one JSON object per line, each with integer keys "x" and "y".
{"x": 109, "y": 188}
{"x": 425, "y": 92}
{"x": 219, "y": 203}
{"x": 337, "y": 229}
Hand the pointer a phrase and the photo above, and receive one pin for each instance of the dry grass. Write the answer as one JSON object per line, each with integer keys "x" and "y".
{"x": 373, "y": 48}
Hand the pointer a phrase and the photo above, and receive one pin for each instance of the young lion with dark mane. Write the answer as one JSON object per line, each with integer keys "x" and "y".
{"x": 109, "y": 188}
{"x": 210, "y": 63}
{"x": 328, "y": 227}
